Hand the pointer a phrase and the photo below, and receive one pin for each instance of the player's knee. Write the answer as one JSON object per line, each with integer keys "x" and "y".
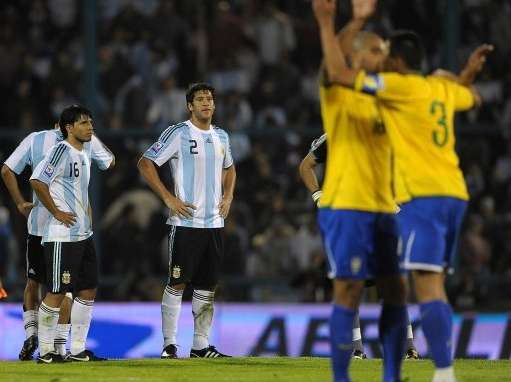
{"x": 429, "y": 286}
{"x": 87, "y": 294}
{"x": 32, "y": 287}
{"x": 178, "y": 286}
{"x": 348, "y": 292}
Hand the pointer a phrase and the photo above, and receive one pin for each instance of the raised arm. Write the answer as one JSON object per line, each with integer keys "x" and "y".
{"x": 11, "y": 183}
{"x": 148, "y": 171}
{"x": 362, "y": 11}
{"x": 334, "y": 61}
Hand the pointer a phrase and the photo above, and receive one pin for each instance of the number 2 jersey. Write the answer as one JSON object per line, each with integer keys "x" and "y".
{"x": 66, "y": 171}
{"x": 418, "y": 113}
{"x": 197, "y": 159}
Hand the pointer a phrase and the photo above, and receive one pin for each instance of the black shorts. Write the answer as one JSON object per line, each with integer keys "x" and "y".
{"x": 71, "y": 266}
{"x": 195, "y": 256}
{"x": 36, "y": 266}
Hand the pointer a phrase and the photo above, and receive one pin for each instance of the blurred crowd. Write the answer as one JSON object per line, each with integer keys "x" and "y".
{"x": 262, "y": 57}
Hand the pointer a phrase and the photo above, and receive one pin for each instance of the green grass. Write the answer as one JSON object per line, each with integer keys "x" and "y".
{"x": 238, "y": 370}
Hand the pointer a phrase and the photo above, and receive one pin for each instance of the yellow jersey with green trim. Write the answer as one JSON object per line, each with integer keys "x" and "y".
{"x": 358, "y": 172}
{"x": 418, "y": 113}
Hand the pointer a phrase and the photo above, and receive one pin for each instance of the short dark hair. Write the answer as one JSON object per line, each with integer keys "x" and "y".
{"x": 194, "y": 88}
{"x": 70, "y": 115}
{"x": 408, "y": 46}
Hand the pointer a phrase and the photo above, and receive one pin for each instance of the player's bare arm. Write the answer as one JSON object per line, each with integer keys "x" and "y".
{"x": 362, "y": 11}
{"x": 309, "y": 178}
{"x": 228, "y": 183}
{"x": 148, "y": 171}
{"x": 11, "y": 182}
{"x": 43, "y": 193}
{"x": 333, "y": 56}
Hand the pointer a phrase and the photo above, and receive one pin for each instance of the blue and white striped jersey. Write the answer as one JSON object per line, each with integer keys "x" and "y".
{"x": 32, "y": 150}
{"x": 196, "y": 158}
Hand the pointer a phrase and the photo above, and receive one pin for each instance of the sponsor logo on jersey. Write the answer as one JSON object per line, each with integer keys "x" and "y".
{"x": 66, "y": 277}
{"x": 49, "y": 170}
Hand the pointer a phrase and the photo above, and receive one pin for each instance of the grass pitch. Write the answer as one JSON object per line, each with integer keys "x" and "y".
{"x": 281, "y": 369}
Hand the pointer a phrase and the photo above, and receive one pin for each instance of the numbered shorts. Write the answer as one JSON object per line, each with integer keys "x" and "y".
{"x": 71, "y": 266}
{"x": 36, "y": 266}
{"x": 195, "y": 256}
{"x": 359, "y": 245}
{"x": 430, "y": 230}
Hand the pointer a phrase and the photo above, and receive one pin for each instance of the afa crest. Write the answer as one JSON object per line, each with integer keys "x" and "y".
{"x": 66, "y": 277}
{"x": 49, "y": 170}
{"x": 176, "y": 272}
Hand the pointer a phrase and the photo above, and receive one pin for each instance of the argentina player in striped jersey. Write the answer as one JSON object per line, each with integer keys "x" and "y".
{"x": 29, "y": 153}
{"x": 61, "y": 182}
{"x": 202, "y": 168}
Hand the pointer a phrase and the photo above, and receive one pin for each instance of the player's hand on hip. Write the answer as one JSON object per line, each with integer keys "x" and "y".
{"x": 66, "y": 218}
{"x": 225, "y": 206}
{"x": 363, "y": 9}
{"x": 324, "y": 10}
{"x": 25, "y": 208}
{"x": 180, "y": 208}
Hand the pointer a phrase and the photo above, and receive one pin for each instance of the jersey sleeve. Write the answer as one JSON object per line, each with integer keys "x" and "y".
{"x": 388, "y": 86}
{"x": 318, "y": 149}
{"x": 21, "y": 156}
{"x": 228, "y": 161}
{"x": 463, "y": 97}
{"x": 100, "y": 154}
{"x": 166, "y": 147}
{"x": 52, "y": 165}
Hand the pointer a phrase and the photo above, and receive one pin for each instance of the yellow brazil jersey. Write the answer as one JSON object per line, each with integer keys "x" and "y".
{"x": 418, "y": 113}
{"x": 358, "y": 170}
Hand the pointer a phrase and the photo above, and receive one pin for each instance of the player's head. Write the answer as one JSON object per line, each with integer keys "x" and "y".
{"x": 406, "y": 52}
{"x": 200, "y": 101}
{"x": 76, "y": 121}
{"x": 369, "y": 52}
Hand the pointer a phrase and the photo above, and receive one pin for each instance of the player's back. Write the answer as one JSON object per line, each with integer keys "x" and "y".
{"x": 358, "y": 169}
{"x": 419, "y": 113}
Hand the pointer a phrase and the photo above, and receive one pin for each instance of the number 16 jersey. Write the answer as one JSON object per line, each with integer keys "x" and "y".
{"x": 418, "y": 113}
{"x": 66, "y": 171}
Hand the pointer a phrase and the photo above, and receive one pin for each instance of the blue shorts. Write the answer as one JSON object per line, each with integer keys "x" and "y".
{"x": 359, "y": 245}
{"x": 430, "y": 229}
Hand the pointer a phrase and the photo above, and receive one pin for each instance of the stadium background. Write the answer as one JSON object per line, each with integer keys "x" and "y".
{"x": 130, "y": 61}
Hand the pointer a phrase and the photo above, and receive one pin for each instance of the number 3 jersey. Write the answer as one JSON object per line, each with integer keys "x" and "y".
{"x": 197, "y": 159}
{"x": 66, "y": 171}
{"x": 32, "y": 150}
{"x": 418, "y": 113}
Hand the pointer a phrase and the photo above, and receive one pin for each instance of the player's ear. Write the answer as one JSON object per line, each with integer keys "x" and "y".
{"x": 189, "y": 106}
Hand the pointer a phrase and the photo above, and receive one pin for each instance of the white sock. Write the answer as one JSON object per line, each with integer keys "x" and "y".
{"x": 445, "y": 374}
{"x": 30, "y": 322}
{"x": 357, "y": 335}
{"x": 409, "y": 332}
{"x": 61, "y": 338}
{"x": 170, "y": 310}
{"x": 48, "y": 318}
{"x": 81, "y": 316}
{"x": 202, "y": 309}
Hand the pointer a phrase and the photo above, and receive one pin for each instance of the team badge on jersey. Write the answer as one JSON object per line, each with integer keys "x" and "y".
{"x": 66, "y": 277}
{"x": 176, "y": 272}
{"x": 356, "y": 264}
{"x": 49, "y": 170}
{"x": 156, "y": 147}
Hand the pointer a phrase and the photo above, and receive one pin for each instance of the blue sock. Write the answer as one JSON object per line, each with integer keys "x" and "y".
{"x": 436, "y": 317}
{"x": 341, "y": 325}
{"x": 392, "y": 327}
